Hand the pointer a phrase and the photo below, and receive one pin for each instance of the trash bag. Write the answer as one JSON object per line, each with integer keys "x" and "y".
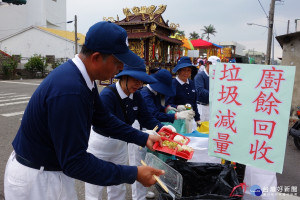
{"x": 205, "y": 181}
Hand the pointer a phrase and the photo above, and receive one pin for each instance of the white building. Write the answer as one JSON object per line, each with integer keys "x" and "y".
{"x": 46, "y": 13}
{"x": 237, "y": 49}
{"x": 41, "y": 41}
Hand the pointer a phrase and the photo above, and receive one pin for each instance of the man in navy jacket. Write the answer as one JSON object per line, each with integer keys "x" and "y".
{"x": 50, "y": 146}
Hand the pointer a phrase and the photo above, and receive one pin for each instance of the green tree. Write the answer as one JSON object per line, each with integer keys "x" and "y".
{"x": 180, "y": 33}
{"x": 209, "y": 30}
{"x": 36, "y": 64}
{"x": 58, "y": 62}
{"x": 194, "y": 36}
{"x": 9, "y": 66}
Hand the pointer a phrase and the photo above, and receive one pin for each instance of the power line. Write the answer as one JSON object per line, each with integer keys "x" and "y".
{"x": 263, "y": 9}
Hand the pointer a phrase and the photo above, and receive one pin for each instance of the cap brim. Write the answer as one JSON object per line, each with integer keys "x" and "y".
{"x": 180, "y": 66}
{"x": 142, "y": 76}
{"x": 129, "y": 58}
{"x": 166, "y": 90}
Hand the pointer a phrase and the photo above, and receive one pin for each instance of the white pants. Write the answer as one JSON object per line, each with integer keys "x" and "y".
{"x": 136, "y": 154}
{"x": 24, "y": 183}
{"x": 111, "y": 150}
{"x": 204, "y": 112}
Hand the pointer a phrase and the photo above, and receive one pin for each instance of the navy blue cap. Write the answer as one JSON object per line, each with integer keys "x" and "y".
{"x": 138, "y": 72}
{"x": 182, "y": 63}
{"x": 109, "y": 38}
{"x": 164, "y": 83}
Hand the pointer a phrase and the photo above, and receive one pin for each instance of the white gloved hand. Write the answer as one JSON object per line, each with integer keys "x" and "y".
{"x": 181, "y": 108}
{"x": 172, "y": 128}
{"x": 151, "y": 132}
{"x": 186, "y": 114}
{"x": 169, "y": 108}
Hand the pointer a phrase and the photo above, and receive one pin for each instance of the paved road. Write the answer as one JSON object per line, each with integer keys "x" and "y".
{"x": 14, "y": 96}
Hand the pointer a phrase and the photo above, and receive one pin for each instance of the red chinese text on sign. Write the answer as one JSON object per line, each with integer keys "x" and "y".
{"x": 264, "y": 103}
{"x": 262, "y": 150}
{"x": 230, "y": 95}
{"x": 222, "y": 143}
{"x": 214, "y": 73}
{"x": 271, "y": 79}
{"x": 264, "y": 128}
{"x": 226, "y": 120}
{"x": 231, "y": 74}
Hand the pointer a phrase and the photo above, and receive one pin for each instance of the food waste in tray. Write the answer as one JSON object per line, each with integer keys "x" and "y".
{"x": 174, "y": 144}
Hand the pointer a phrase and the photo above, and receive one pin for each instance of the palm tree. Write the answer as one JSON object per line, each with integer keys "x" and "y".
{"x": 194, "y": 36}
{"x": 180, "y": 33}
{"x": 209, "y": 30}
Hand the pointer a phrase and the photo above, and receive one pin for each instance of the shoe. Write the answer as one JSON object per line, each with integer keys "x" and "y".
{"x": 150, "y": 195}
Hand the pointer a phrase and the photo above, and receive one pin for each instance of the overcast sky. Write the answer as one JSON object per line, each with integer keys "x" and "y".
{"x": 229, "y": 17}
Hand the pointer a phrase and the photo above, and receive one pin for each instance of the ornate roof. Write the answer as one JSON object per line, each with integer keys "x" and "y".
{"x": 144, "y": 15}
{"x": 151, "y": 34}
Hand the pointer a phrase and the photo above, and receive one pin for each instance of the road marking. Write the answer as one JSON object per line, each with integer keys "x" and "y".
{"x": 13, "y": 114}
{"x": 6, "y": 94}
{"x": 21, "y": 95}
{"x": 24, "y": 83}
{"x": 13, "y": 103}
{"x": 14, "y": 99}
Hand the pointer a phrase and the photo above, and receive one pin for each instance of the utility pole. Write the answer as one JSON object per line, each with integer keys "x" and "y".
{"x": 270, "y": 31}
{"x": 288, "y": 27}
{"x": 76, "y": 39}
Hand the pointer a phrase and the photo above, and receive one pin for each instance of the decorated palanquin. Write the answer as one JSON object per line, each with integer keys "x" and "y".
{"x": 148, "y": 36}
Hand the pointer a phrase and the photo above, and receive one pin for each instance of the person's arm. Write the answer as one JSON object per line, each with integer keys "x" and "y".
{"x": 69, "y": 127}
{"x": 202, "y": 93}
{"x": 68, "y": 118}
{"x": 194, "y": 103}
{"x": 157, "y": 112}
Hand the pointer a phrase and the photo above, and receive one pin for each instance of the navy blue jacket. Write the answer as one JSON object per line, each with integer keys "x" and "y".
{"x": 136, "y": 108}
{"x": 56, "y": 125}
{"x": 154, "y": 106}
{"x": 202, "y": 87}
{"x": 185, "y": 93}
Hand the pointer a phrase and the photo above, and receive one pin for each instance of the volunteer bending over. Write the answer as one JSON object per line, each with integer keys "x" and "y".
{"x": 50, "y": 146}
{"x": 153, "y": 94}
{"x": 125, "y": 102}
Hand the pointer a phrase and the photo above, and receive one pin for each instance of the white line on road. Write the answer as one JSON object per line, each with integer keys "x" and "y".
{"x": 14, "y": 99}
{"x": 13, "y": 103}
{"x": 24, "y": 83}
{"x": 12, "y": 114}
{"x": 21, "y": 95}
{"x": 6, "y": 94}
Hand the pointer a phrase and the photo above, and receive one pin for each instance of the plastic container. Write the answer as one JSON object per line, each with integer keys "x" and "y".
{"x": 172, "y": 178}
{"x": 173, "y": 149}
{"x": 167, "y": 133}
{"x": 204, "y": 128}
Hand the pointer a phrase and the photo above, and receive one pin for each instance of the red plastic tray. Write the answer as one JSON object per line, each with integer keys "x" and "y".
{"x": 167, "y": 133}
{"x": 183, "y": 154}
